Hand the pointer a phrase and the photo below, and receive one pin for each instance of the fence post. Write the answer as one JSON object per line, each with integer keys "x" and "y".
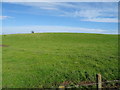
{"x": 99, "y": 81}
{"x": 62, "y": 87}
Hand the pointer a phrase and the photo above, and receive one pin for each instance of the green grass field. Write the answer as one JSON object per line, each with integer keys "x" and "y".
{"x": 49, "y": 59}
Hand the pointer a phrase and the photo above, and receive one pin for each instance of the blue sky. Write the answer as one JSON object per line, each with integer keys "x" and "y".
{"x": 79, "y": 17}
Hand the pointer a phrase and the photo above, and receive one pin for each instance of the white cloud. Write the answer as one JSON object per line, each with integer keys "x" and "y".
{"x": 4, "y": 17}
{"x": 113, "y": 20}
{"x": 84, "y": 12}
{"x": 87, "y": 13}
{"x": 94, "y": 12}
{"x": 98, "y": 15}
{"x": 37, "y": 29}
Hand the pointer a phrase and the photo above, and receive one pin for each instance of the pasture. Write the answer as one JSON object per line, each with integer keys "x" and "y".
{"x": 50, "y": 59}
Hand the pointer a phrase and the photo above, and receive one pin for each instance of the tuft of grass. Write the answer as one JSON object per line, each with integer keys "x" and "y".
{"x": 45, "y": 60}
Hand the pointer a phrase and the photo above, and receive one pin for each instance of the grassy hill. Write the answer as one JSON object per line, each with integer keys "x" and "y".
{"x": 49, "y": 59}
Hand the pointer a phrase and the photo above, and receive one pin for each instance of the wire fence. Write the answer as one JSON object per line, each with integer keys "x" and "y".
{"x": 99, "y": 83}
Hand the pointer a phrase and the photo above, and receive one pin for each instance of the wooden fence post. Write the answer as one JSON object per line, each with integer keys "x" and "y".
{"x": 62, "y": 87}
{"x": 99, "y": 81}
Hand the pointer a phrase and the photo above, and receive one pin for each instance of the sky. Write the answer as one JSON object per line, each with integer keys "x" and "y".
{"x": 73, "y": 17}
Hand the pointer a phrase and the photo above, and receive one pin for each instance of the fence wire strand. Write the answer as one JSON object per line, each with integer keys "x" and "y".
{"x": 97, "y": 83}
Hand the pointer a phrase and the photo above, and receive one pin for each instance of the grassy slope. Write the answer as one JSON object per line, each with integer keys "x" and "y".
{"x": 48, "y": 59}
